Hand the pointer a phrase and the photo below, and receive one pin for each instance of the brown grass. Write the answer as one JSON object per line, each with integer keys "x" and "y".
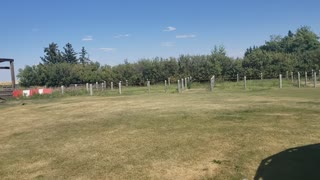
{"x": 194, "y": 135}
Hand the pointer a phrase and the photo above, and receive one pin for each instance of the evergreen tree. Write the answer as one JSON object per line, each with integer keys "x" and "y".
{"x": 69, "y": 55}
{"x": 52, "y": 54}
{"x": 83, "y": 56}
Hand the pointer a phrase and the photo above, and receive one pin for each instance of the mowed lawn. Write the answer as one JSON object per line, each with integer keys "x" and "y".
{"x": 193, "y": 135}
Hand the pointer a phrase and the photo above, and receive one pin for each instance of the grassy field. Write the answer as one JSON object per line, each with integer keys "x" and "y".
{"x": 193, "y": 135}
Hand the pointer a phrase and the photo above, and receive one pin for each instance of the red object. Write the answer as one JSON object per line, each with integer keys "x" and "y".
{"x": 34, "y": 91}
{"x": 47, "y": 91}
{"x": 17, "y": 93}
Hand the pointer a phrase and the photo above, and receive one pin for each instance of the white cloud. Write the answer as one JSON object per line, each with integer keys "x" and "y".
{"x": 87, "y": 38}
{"x": 107, "y": 49}
{"x": 170, "y": 28}
{"x": 185, "y": 36}
{"x": 168, "y": 44}
{"x": 122, "y": 35}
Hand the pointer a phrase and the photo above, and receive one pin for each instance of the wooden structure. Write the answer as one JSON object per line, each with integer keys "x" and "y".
{"x": 6, "y": 92}
{"x": 11, "y": 67}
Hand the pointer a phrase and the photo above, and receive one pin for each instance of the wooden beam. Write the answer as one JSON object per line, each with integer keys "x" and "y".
{"x": 5, "y": 67}
{"x": 13, "y": 78}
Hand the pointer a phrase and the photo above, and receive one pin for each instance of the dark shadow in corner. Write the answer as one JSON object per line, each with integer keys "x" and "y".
{"x": 295, "y": 163}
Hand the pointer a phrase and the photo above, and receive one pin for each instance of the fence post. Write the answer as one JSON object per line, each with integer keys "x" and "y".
{"x": 312, "y": 73}
{"x": 120, "y": 88}
{"x": 62, "y": 89}
{"x": 245, "y": 82}
{"x": 182, "y": 84}
{"x": 212, "y": 83}
{"x": 179, "y": 91}
{"x": 102, "y": 86}
{"x": 165, "y": 86}
{"x": 148, "y": 84}
{"x": 305, "y": 78}
{"x": 237, "y": 78}
{"x": 105, "y": 84}
{"x": 75, "y": 86}
{"x": 299, "y": 79}
{"x": 126, "y": 83}
{"x": 186, "y": 83}
{"x": 287, "y": 75}
{"x": 87, "y": 86}
{"x": 91, "y": 91}
{"x": 291, "y": 76}
{"x": 315, "y": 79}
{"x": 111, "y": 86}
{"x": 169, "y": 81}
{"x": 280, "y": 81}
{"x": 261, "y": 76}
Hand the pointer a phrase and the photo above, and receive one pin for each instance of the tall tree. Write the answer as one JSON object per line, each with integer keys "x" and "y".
{"x": 69, "y": 55}
{"x": 52, "y": 54}
{"x": 83, "y": 56}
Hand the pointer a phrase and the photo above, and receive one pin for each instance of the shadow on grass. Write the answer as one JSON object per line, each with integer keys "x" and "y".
{"x": 295, "y": 163}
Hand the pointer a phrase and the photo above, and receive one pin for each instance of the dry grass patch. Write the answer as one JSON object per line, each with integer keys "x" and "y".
{"x": 194, "y": 135}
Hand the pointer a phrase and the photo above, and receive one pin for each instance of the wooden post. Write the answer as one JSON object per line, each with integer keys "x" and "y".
{"x": 186, "y": 83}
{"x": 87, "y": 87}
{"x": 305, "y": 78}
{"x": 315, "y": 79}
{"x": 287, "y": 75}
{"x": 280, "y": 81}
{"x": 91, "y": 90}
{"x": 62, "y": 89}
{"x": 165, "y": 86}
{"x": 245, "y": 82}
{"x": 13, "y": 79}
{"x": 111, "y": 86}
{"x": 179, "y": 91}
{"x": 182, "y": 84}
{"x": 148, "y": 84}
{"x": 291, "y": 76}
{"x": 299, "y": 79}
{"x": 169, "y": 81}
{"x": 237, "y": 78}
{"x": 120, "y": 92}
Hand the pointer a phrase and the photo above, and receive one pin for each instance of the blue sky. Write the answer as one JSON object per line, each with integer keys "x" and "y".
{"x": 115, "y": 30}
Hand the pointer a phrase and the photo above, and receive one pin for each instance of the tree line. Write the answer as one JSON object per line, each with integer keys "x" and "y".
{"x": 298, "y": 51}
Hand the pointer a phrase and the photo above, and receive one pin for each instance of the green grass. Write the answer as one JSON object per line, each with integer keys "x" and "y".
{"x": 193, "y": 135}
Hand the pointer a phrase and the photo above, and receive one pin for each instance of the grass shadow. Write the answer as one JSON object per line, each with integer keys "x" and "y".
{"x": 294, "y": 163}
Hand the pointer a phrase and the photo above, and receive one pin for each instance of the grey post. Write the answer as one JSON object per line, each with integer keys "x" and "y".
{"x": 102, "y": 86}
{"x": 62, "y": 89}
{"x": 126, "y": 83}
{"x": 280, "y": 81}
{"x": 186, "y": 83}
{"x": 105, "y": 84}
{"x": 287, "y": 75}
{"x": 305, "y": 78}
{"x": 75, "y": 86}
{"x": 212, "y": 83}
{"x": 165, "y": 86}
{"x": 179, "y": 91}
{"x": 182, "y": 84}
{"x": 97, "y": 85}
{"x": 169, "y": 81}
{"x": 299, "y": 79}
{"x": 312, "y": 73}
{"x": 120, "y": 87}
{"x": 261, "y": 76}
{"x": 245, "y": 82}
{"x": 111, "y": 86}
{"x": 148, "y": 84}
{"x": 91, "y": 91}
{"x": 291, "y": 76}
{"x": 237, "y": 78}
{"x": 315, "y": 80}
{"x": 87, "y": 86}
